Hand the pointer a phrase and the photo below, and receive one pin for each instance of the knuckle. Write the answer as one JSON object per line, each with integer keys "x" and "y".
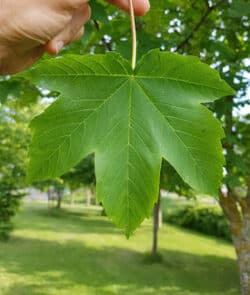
{"x": 75, "y": 4}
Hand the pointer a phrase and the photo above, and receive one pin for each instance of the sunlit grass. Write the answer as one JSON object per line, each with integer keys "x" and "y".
{"x": 79, "y": 252}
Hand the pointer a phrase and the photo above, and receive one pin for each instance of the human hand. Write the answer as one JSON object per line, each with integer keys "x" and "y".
{"x": 31, "y": 27}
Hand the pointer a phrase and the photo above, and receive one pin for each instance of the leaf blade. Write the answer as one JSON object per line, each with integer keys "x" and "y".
{"x": 130, "y": 121}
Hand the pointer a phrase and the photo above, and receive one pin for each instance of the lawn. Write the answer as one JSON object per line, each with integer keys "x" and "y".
{"x": 78, "y": 252}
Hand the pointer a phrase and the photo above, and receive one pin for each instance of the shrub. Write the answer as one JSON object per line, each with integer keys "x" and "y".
{"x": 209, "y": 220}
{"x": 9, "y": 203}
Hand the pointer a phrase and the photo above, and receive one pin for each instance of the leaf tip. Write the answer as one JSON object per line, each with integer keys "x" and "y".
{"x": 233, "y": 91}
{"x": 128, "y": 232}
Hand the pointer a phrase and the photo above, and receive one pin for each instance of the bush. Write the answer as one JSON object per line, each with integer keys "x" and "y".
{"x": 9, "y": 203}
{"x": 208, "y": 220}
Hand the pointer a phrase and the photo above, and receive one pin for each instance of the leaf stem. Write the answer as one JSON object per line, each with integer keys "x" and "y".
{"x": 133, "y": 29}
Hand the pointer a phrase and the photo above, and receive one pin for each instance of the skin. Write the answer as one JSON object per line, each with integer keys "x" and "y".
{"x": 29, "y": 28}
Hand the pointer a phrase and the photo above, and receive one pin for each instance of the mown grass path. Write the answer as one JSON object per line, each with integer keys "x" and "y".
{"x": 78, "y": 253}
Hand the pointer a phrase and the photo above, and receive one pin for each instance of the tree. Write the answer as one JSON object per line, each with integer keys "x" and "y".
{"x": 17, "y": 105}
{"x": 81, "y": 175}
{"x": 14, "y": 139}
{"x": 54, "y": 189}
{"x": 235, "y": 203}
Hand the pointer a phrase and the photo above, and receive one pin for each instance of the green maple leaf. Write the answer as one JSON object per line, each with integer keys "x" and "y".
{"x": 130, "y": 120}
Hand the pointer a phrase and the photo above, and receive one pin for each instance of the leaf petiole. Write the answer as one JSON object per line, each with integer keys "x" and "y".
{"x": 133, "y": 29}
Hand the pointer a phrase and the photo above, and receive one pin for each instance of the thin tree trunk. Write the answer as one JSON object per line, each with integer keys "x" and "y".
{"x": 49, "y": 197}
{"x": 244, "y": 250}
{"x": 244, "y": 255}
{"x": 72, "y": 199}
{"x": 160, "y": 218}
{"x": 157, "y": 208}
{"x": 93, "y": 194}
{"x": 88, "y": 196}
{"x": 59, "y": 200}
{"x": 237, "y": 212}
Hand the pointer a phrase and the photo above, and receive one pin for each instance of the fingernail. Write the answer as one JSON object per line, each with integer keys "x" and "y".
{"x": 59, "y": 46}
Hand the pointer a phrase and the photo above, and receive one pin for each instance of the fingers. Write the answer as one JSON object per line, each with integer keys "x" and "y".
{"x": 71, "y": 32}
{"x": 81, "y": 14}
{"x": 140, "y": 6}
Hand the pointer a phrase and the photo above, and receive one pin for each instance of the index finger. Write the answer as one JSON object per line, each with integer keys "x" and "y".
{"x": 140, "y": 6}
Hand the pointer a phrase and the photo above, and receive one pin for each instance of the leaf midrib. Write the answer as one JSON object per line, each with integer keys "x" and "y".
{"x": 128, "y": 151}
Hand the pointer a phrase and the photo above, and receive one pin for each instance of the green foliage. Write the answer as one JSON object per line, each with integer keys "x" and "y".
{"x": 82, "y": 174}
{"x": 237, "y": 144}
{"x": 14, "y": 139}
{"x": 18, "y": 90}
{"x": 205, "y": 219}
{"x": 172, "y": 182}
{"x": 130, "y": 120}
{"x": 240, "y": 9}
{"x": 56, "y": 184}
{"x": 9, "y": 204}
{"x": 98, "y": 11}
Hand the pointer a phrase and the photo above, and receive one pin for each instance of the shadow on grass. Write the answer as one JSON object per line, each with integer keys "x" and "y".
{"x": 66, "y": 221}
{"x": 68, "y": 265}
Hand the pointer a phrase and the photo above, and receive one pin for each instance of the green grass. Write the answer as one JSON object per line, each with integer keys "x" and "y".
{"x": 78, "y": 252}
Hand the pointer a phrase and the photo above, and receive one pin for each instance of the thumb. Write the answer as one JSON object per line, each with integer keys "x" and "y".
{"x": 71, "y": 32}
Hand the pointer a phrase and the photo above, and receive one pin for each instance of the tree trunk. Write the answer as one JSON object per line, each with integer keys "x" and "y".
{"x": 160, "y": 218}
{"x": 59, "y": 200}
{"x": 237, "y": 212}
{"x": 156, "y": 224}
{"x": 243, "y": 254}
{"x": 49, "y": 196}
{"x": 93, "y": 194}
{"x": 72, "y": 199}
{"x": 88, "y": 196}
